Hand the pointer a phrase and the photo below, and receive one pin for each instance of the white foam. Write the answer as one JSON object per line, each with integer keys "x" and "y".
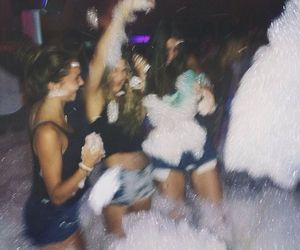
{"x": 94, "y": 142}
{"x": 261, "y": 219}
{"x": 264, "y": 129}
{"x": 104, "y": 190}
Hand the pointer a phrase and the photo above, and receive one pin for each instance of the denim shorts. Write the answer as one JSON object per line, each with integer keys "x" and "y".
{"x": 188, "y": 163}
{"x": 46, "y": 223}
{"x": 135, "y": 185}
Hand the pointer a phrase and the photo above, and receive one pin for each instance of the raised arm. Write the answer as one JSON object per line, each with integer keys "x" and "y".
{"x": 108, "y": 48}
{"x": 108, "y": 52}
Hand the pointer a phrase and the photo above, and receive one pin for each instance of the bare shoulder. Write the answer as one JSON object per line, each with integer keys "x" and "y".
{"x": 46, "y": 137}
{"x": 46, "y": 131}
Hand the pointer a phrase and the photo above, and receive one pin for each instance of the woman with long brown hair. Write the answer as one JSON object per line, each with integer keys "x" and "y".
{"x": 62, "y": 159}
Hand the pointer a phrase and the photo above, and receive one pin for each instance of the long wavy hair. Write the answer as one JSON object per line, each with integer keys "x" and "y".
{"x": 161, "y": 77}
{"x": 131, "y": 111}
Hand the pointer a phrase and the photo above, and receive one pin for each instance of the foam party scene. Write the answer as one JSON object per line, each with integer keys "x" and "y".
{"x": 149, "y": 125}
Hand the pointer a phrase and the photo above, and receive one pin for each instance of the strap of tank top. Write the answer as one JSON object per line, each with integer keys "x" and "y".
{"x": 49, "y": 122}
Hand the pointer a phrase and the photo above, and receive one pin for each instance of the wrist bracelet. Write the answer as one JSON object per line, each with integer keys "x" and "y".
{"x": 85, "y": 167}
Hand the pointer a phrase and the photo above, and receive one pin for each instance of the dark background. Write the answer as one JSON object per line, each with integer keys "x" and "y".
{"x": 197, "y": 16}
{"x": 228, "y": 31}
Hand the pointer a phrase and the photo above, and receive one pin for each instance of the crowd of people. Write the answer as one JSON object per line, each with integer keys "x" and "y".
{"x": 143, "y": 120}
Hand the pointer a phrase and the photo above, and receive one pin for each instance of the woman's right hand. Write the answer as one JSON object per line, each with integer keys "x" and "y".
{"x": 93, "y": 151}
{"x": 128, "y": 7}
{"x": 141, "y": 65}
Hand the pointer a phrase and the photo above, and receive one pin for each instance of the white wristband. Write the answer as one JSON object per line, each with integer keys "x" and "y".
{"x": 84, "y": 167}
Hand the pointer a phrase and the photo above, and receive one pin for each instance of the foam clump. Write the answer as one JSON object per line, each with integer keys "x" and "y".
{"x": 264, "y": 129}
{"x": 260, "y": 219}
{"x": 151, "y": 231}
{"x": 104, "y": 190}
{"x": 94, "y": 142}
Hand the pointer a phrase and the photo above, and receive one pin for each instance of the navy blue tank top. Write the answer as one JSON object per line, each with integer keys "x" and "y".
{"x": 71, "y": 158}
{"x": 115, "y": 139}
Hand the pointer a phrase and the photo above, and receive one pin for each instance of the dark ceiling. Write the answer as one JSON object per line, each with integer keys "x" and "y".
{"x": 196, "y": 16}
{"x": 244, "y": 14}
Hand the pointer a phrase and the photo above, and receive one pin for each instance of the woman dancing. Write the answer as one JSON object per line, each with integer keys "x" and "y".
{"x": 177, "y": 144}
{"x": 114, "y": 108}
{"x": 61, "y": 164}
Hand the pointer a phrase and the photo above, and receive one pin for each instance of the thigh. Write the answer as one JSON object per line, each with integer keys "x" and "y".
{"x": 173, "y": 187}
{"x": 144, "y": 204}
{"x": 208, "y": 185}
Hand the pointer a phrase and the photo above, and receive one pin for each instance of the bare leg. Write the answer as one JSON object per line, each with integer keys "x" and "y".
{"x": 75, "y": 241}
{"x": 208, "y": 185}
{"x": 113, "y": 215}
{"x": 143, "y": 204}
{"x": 173, "y": 187}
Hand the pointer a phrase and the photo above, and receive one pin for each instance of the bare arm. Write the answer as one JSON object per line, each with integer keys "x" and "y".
{"x": 108, "y": 48}
{"x": 108, "y": 51}
{"x": 48, "y": 144}
{"x": 109, "y": 42}
{"x": 112, "y": 39}
{"x": 93, "y": 94}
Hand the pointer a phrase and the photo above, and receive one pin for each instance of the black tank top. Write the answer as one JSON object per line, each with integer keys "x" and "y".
{"x": 71, "y": 158}
{"x": 115, "y": 139}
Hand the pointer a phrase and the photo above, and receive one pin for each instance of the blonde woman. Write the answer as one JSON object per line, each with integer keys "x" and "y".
{"x": 113, "y": 95}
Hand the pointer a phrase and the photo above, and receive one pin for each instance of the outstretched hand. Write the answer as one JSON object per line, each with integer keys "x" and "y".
{"x": 141, "y": 5}
{"x": 128, "y": 7}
